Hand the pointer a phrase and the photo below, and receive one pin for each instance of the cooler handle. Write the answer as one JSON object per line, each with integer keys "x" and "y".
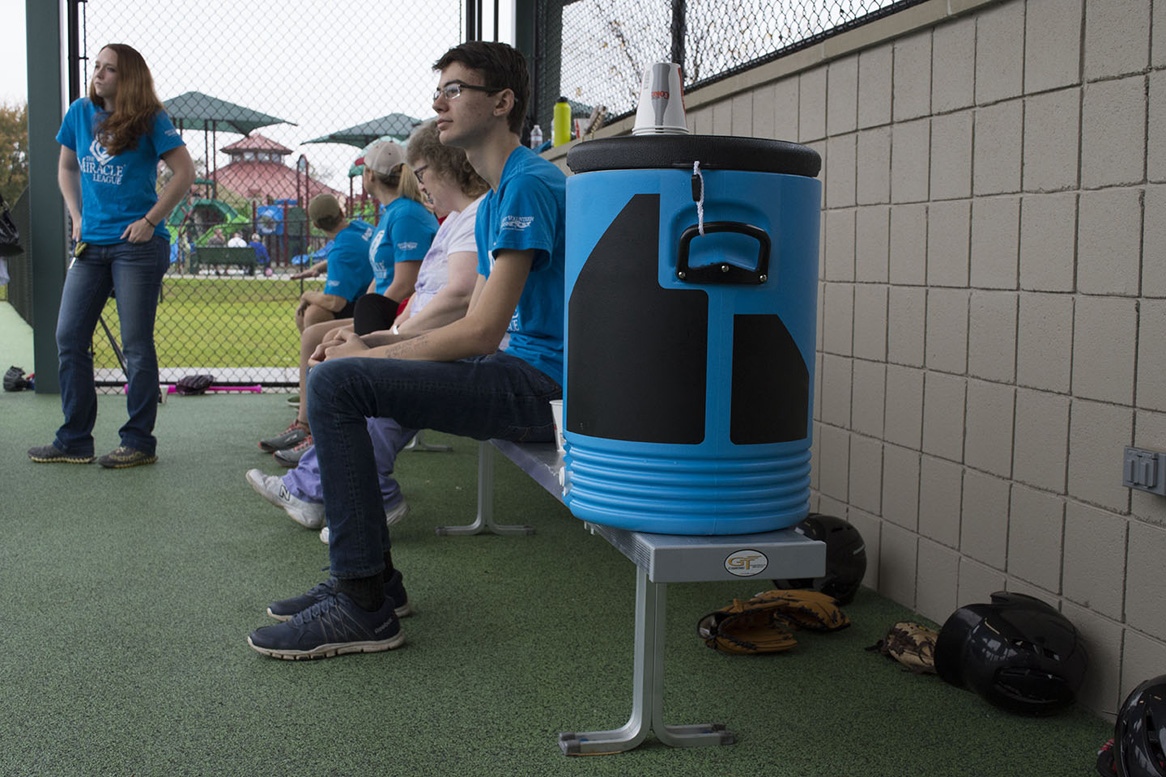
{"x": 724, "y": 272}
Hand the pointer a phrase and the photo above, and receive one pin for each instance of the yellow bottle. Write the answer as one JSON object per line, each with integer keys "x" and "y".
{"x": 561, "y": 122}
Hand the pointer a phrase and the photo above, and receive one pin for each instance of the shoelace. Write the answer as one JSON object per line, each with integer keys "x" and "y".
{"x": 332, "y": 621}
{"x": 319, "y": 608}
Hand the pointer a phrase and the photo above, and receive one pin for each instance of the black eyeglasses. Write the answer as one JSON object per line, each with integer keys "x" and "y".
{"x": 453, "y": 90}
{"x": 420, "y": 173}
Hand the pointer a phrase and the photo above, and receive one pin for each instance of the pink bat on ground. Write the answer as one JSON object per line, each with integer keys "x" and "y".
{"x": 256, "y": 389}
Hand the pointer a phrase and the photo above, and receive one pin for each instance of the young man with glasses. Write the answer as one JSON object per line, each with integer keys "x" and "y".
{"x": 453, "y": 378}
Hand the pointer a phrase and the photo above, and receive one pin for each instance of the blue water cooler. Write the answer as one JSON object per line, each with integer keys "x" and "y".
{"x": 691, "y": 280}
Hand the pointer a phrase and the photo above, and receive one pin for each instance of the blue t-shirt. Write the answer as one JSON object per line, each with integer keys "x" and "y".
{"x": 528, "y": 212}
{"x": 261, "y": 254}
{"x": 115, "y": 190}
{"x": 348, "y": 271}
{"x": 404, "y": 234}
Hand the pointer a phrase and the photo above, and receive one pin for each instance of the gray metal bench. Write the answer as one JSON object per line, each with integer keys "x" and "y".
{"x": 660, "y": 559}
{"x": 217, "y": 256}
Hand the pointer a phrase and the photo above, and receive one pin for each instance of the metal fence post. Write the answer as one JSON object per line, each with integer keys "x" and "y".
{"x": 46, "y": 238}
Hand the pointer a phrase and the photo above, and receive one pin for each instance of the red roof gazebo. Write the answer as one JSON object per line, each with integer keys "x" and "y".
{"x": 257, "y": 172}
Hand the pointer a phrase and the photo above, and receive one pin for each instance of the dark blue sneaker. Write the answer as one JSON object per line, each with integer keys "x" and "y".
{"x": 330, "y": 627}
{"x": 286, "y": 609}
{"x": 51, "y": 454}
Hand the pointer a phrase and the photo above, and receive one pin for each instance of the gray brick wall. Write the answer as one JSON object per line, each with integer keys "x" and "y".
{"x": 992, "y": 306}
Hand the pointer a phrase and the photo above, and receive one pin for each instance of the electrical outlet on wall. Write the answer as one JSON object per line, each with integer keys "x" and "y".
{"x": 1144, "y": 470}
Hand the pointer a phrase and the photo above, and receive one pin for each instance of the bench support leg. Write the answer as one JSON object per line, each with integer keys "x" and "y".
{"x": 647, "y": 690}
{"x": 419, "y": 444}
{"x": 484, "y": 522}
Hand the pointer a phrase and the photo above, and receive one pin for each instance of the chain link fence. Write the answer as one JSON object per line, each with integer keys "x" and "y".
{"x": 593, "y": 52}
{"x": 276, "y": 100}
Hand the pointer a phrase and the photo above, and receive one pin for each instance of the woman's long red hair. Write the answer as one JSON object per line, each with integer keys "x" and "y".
{"x": 136, "y": 105}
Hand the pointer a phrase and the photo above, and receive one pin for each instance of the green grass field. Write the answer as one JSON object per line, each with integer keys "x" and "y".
{"x": 213, "y": 322}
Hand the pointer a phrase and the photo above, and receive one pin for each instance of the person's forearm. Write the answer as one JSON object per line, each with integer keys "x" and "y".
{"x": 398, "y": 291}
{"x": 479, "y": 333}
{"x": 404, "y": 281}
{"x": 69, "y": 181}
{"x": 175, "y": 191}
{"x": 330, "y": 302}
{"x": 460, "y": 339}
{"x": 451, "y": 302}
{"x": 442, "y": 309}
{"x": 311, "y": 272}
{"x": 381, "y": 338}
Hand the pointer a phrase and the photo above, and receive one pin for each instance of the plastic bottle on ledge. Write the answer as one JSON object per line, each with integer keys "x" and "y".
{"x": 561, "y": 124}
{"x": 536, "y": 137}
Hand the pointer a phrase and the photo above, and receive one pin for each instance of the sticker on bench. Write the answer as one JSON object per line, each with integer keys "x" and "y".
{"x": 746, "y": 563}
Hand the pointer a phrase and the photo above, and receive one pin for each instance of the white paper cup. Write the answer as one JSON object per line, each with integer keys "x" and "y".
{"x": 557, "y": 412}
{"x": 661, "y": 107}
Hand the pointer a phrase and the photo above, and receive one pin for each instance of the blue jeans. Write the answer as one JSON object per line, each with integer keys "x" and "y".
{"x": 134, "y": 271}
{"x": 484, "y": 397}
{"x": 388, "y": 439}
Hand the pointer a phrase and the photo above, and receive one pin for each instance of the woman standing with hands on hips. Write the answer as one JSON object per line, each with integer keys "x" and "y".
{"x": 111, "y": 142}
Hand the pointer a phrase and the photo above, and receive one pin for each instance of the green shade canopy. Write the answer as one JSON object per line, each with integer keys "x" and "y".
{"x": 198, "y": 111}
{"x": 395, "y": 125}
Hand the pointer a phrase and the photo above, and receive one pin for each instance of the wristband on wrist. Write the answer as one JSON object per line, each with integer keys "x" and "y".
{"x": 147, "y": 220}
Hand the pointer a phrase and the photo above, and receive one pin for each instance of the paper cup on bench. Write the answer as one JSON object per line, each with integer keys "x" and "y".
{"x": 557, "y": 412}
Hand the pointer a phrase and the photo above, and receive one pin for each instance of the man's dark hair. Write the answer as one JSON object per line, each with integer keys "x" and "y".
{"x": 502, "y": 66}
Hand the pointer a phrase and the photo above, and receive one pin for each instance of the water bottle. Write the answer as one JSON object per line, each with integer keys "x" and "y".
{"x": 536, "y": 137}
{"x": 561, "y": 125}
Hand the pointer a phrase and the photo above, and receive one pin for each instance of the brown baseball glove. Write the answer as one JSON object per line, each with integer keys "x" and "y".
{"x": 911, "y": 644}
{"x": 765, "y": 623}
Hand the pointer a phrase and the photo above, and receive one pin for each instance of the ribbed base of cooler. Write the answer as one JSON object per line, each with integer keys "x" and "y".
{"x": 666, "y": 494}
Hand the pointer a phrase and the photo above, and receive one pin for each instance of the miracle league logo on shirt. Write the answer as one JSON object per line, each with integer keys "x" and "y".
{"x": 97, "y": 165}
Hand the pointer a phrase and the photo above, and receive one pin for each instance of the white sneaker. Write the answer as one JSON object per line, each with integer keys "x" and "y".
{"x": 393, "y": 516}
{"x": 307, "y": 514}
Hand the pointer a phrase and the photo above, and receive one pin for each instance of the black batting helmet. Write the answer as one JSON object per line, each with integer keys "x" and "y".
{"x": 845, "y": 557}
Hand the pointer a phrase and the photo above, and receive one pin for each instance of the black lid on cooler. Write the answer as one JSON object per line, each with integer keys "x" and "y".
{"x": 714, "y": 152}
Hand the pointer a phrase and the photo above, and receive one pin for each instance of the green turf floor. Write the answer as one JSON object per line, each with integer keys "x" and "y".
{"x": 128, "y": 597}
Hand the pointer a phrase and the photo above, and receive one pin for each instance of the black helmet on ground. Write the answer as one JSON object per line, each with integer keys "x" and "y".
{"x": 1139, "y": 738}
{"x": 1018, "y": 652}
{"x": 845, "y": 557}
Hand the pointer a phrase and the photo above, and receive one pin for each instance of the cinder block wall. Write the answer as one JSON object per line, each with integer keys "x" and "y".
{"x": 992, "y": 304}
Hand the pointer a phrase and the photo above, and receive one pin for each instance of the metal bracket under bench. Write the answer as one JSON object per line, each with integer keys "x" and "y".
{"x": 660, "y": 559}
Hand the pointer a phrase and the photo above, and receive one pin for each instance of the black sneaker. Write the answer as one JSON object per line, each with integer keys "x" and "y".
{"x": 286, "y": 609}
{"x": 124, "y": 456}
{"x": 289, "y": 438}
{"x": 331, "y": 627}
{"x": 51, "y": 454}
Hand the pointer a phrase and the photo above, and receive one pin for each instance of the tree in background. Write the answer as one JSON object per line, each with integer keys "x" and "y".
{"x": 13, "y": 150}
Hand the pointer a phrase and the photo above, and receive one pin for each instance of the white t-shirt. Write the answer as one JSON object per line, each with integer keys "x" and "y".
{"x": 454, "y": 236}
{"x": 236, "y": 242}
